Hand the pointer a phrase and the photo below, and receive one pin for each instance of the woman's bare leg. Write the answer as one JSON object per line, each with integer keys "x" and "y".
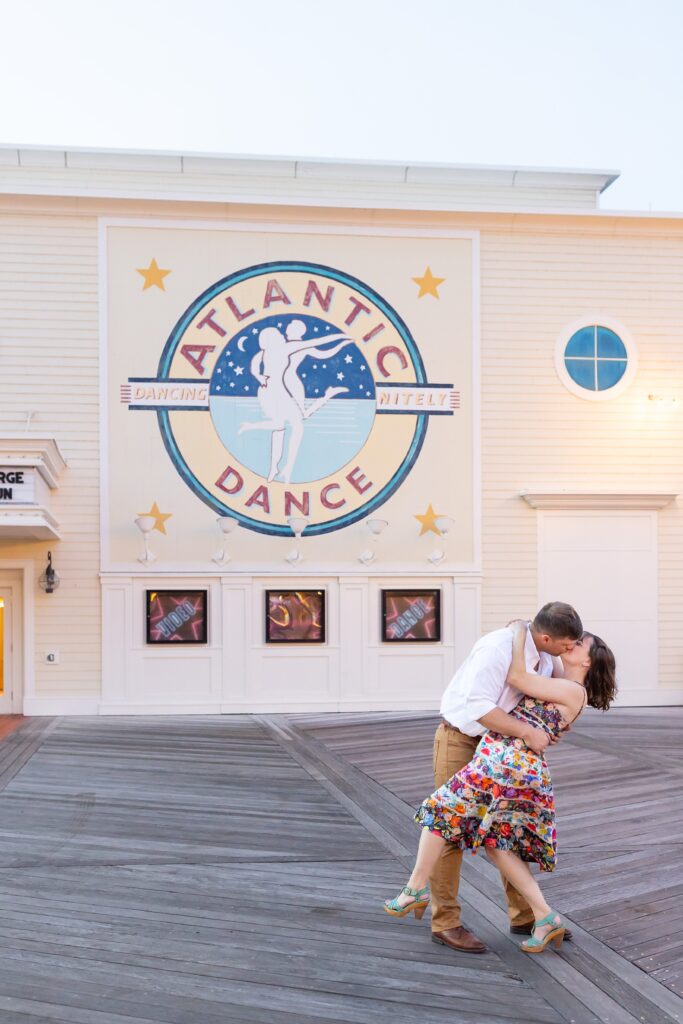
{"x": 518, "y": 872}
{"x": 277, "y": 444}
{"x": 430, "y": 849}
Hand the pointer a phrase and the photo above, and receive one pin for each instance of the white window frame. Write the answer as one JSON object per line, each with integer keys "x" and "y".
{"x": 631, "y": 357}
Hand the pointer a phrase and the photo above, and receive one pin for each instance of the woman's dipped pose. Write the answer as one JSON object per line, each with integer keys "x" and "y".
{"x": 503, "y": 799}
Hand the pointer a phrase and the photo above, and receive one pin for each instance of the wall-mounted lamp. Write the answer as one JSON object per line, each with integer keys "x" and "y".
{"x": 375, "y": 526}
{"x": 145, "y": 525}
{"x": 49, "y": 580}
{"x": 297, "y": 525}
{"x": 444, "y": 525}
{"x": 226, "y": 524}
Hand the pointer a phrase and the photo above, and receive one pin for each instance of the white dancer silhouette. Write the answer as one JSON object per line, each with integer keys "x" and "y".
{"x": 281, "y": 392}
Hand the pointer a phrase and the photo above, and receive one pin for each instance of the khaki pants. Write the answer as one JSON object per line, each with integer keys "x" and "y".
{"x": 452, "y": 751}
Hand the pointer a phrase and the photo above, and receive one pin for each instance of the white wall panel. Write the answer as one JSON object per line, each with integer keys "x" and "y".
{"x": 605, "y": 564}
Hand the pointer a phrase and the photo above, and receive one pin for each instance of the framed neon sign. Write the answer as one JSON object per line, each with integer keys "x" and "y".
{"x": 411, "y": 616}
{"x": 176, "y": 616}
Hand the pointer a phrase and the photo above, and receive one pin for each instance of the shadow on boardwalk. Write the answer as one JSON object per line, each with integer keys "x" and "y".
{"x": 227, "y": 870}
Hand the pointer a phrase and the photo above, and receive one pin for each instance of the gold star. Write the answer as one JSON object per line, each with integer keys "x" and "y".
{"x": 428, "y": 284}
{"x": 160, "y": 517}
{"x": 153, "y": 275}
{"x": 428, "y": 522}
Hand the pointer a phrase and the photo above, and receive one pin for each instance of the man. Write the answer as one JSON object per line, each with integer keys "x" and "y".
{"x": 477, "y": 699}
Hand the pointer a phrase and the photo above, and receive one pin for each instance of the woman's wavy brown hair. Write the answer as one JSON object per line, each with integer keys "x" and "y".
{"x": 600, "y": 682}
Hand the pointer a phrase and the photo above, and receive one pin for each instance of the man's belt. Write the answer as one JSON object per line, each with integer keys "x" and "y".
{"x": 447, "y": 725}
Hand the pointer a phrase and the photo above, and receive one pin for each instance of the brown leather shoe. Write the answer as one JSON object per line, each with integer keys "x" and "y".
{"x": 527, "y": 929}
{"x": 459, "y": 938}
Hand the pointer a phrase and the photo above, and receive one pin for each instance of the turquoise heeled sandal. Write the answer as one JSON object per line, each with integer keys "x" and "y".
{"x": 418, "y": 904}
{"x": 555, "y": 935}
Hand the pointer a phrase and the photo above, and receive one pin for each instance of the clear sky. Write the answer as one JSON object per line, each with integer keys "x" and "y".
{"x": 541, "y": 83}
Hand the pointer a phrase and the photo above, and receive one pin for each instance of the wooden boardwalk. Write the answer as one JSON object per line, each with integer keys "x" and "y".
{"x": 228, "y": 870}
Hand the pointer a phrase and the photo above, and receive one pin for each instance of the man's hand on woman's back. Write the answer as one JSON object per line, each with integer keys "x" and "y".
{"x": 537, "y": 740}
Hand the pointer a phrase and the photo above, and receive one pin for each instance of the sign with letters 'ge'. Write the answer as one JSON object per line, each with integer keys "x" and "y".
{"x": 264, "y": 375}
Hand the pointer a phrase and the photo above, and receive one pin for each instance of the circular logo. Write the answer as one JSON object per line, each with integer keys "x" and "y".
{"x": 288, "y": 377}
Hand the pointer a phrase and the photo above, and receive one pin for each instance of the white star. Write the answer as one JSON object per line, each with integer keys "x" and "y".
{"x": 316, "y": 390}
{"x": 231, "y": 363}
{"x": 219, "y": 370}
{"x": 362, "y": 367}
{"x": 218, "y": 388}
{"x": 315, "y": 328}
{"x": 315, "y": 366}
{"x": 367, "y": 393}
{"x": 303, "y": 374}
{"x": 279, "y": 325}
{"x": 254, "y": 330}
{"x": 324, "y": 366}
{"x": 246, "y": 387}
{"x": 327, "y": 328}
{"x": 239, "y": 370}
{"x": 348, "y": 359}
{"x": 340, "y": 376}
{"x": 361, "y": 386}
{"x": 232, "y": 383}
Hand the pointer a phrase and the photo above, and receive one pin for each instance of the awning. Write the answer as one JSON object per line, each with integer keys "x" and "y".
{"x": 27, "y": 522}
{"x": 29, "y": 470}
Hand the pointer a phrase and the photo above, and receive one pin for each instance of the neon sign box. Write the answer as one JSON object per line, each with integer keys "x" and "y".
{"x": 411, "y": 616}
{"x": 176, "y": 617}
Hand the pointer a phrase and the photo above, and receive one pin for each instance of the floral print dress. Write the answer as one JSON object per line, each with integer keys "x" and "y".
{"x": 504, "y": 796}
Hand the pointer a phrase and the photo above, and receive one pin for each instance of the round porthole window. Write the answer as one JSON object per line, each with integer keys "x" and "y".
{"x": 595, "y": 358}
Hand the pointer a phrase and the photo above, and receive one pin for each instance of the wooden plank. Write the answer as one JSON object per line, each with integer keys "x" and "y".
{"x": 597, "y": 793}
{"x": 203, "y": 870}
{"x": 194, "y": 873}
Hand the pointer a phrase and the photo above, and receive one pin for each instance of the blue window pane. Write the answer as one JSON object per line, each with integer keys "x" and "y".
{"x": 610, "y": 373}
{"x": 610, "y": 345}
{"x": 582, "y": 343}
{"x": 582, "y": 372}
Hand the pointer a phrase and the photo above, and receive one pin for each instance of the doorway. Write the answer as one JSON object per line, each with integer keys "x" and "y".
{"x": 6, "y": 645}
{"x": 11, "y": 688}
{"x": 605, "y": 564}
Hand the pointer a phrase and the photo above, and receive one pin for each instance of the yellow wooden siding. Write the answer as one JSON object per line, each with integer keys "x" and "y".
{"x": 49, "y": 367}
{"x": 537, "y": 274}
{"x": 535, "y": 433}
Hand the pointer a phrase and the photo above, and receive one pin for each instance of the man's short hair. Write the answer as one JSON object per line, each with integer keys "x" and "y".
{"x": 558, "y": 620}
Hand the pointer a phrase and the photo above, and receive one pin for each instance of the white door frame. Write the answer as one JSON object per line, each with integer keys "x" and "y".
{"x": 8, "y": 641}
{"x": 23, "y": 626}
{"x": 656, "y": 695}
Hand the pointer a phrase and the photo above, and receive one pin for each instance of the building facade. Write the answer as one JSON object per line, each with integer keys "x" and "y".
{"x": 295, "y": 434}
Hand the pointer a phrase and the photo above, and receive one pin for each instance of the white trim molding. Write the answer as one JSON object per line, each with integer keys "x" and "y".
{"x": 51, "y": 706}
{"x": 201, "y": 177}
{"x": 549, "y": 499}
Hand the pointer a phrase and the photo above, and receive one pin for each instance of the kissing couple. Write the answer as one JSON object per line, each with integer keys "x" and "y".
{"x": 518, "y": 690}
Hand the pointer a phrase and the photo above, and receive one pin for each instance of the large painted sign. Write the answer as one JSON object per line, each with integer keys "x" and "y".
{"x": 293, "y": 371}
{"x": 289, "y": 387}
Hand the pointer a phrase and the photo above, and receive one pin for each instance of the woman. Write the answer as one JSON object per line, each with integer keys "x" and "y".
{"x": 503, "y": 799}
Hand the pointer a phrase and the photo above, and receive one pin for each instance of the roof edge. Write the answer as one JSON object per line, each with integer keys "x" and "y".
{"x": 595, "y": 180}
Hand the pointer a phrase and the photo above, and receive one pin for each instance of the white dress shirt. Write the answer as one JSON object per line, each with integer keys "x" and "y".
{"x": 480, "y": 684}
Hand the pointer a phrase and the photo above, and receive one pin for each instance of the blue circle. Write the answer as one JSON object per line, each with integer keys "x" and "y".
{"x": 392, "y": 316}
{"x": 595, "y": 358}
